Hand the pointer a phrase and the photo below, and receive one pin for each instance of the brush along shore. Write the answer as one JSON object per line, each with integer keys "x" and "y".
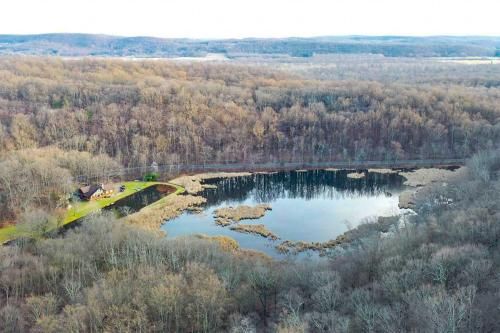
{"x": 153, "y": 216}
{"x": 380, "y": 225}
{"x": 194, "y": 184}
{"x": 169, "y": 207}
{"x": 420, "y": 178}
{"x": 383, "y": 171}
{"x": 228, "y": 215}
{"x": 231, "y": 215}
{"x": 356, "y": 175}
{"x": 225, "y": 243}
{"x": 256, "y": 229}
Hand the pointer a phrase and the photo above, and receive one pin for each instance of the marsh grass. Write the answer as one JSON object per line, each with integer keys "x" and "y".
{"x": 256, "y": 229}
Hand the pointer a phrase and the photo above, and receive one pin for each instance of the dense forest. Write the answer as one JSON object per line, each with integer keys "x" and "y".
{"x": 437, "y": 271}
{"x": 139, "y": 112}
{"x": 391, "y": 46}
{"x": 43, "y": 178}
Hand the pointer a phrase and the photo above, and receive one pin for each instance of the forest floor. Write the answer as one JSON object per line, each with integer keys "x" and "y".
{"x": 82, "y": 208}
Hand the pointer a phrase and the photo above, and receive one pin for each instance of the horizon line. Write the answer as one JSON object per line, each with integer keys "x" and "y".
{"x": 254, "y": 37}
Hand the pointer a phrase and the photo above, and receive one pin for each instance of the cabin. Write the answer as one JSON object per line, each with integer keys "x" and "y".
{"x": 95, "y": 191}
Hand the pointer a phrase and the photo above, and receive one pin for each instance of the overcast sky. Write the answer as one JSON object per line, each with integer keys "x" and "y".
{"x": 251, "y": 18}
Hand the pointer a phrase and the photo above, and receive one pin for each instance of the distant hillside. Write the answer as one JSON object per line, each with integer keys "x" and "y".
{"x": 391, "y": 46}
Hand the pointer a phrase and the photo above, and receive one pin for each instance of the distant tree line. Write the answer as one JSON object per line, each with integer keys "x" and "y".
{"x": 390, "y": 46}
{"x": 364, "y": 67}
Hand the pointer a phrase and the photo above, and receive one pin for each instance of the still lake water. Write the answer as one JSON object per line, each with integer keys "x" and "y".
{"x": 137, "y": 201}
{"x": 314, "y": 205}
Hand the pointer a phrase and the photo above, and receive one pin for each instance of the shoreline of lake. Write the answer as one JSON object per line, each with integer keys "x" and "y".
{"x": 211, "y": 184}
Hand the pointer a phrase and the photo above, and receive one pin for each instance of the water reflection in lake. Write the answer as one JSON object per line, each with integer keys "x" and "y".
{"x": 135, "y": 202}
{"x": 310, "y": 205}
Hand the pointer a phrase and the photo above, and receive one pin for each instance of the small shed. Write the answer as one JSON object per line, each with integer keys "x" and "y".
{"x": 107, "y": 189}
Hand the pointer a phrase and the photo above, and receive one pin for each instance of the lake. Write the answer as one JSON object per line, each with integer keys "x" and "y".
{"x": 314, "y": 205}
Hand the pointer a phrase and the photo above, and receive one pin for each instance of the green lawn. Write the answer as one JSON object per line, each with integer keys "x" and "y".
{"x": 83, "y": 208}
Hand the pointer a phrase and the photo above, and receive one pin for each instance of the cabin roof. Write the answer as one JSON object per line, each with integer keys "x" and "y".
{"x": 89, "y": 190}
